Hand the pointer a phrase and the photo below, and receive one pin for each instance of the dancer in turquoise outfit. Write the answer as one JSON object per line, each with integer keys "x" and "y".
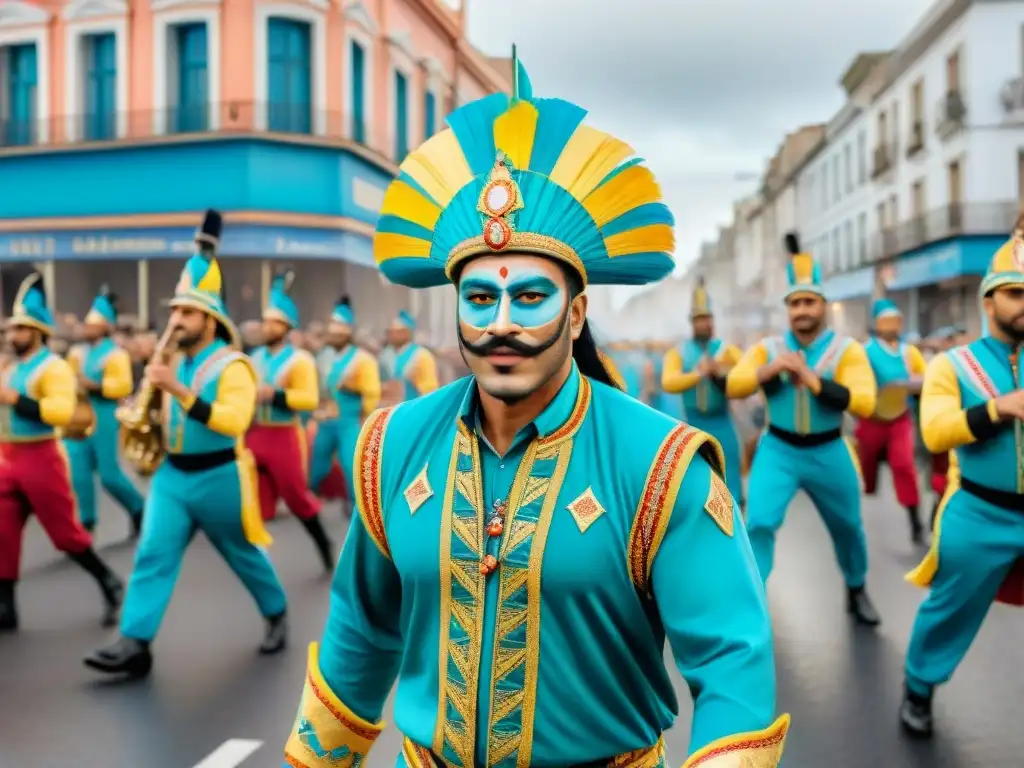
{"x": 412, "y": 369}
{"x": 207, "y": 480}
{"x": 972, "y": 405}
{"x": 810, "y": 376}
{"x": 535, "y": 467}
{"x": 668, "y": 403}
{"x": 104, "y": 370}
{"x": 697, "y": 369}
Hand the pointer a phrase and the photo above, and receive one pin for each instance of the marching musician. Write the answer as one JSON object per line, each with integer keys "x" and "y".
{"x": 104, "y": 372}
{"x": 411, "y": 367}
{"x": 207, "y": 479}
{"x": 37, "y": 399}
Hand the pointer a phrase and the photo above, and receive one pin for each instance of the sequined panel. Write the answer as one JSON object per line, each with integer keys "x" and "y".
{"x": 418, "y": 492}
{"x": 369, "y": 450}
{"x": 585, "y": 509}
{"x": 719, "y": 505}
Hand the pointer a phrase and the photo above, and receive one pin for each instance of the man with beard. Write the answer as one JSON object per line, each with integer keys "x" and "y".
{"x": 889, "y": 433}
{"x": 205, "y": 482}
{"x": 529, "y": 536}
{"x": 352, "y": 392}
{"x": 697, "y": 370}
{"x": 277, "y": 438}
{"x": 411, "y": 367}
{"x": 810, "y": 377}
{"x": 972, "y": 405}
{"x": 37, "y": 399}
{"x": 104, "y": 372}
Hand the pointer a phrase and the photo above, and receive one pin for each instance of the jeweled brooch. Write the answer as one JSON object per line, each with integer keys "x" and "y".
{"x": 499, "y": 199}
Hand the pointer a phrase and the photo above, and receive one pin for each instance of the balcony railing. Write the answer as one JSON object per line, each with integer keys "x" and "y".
{"x": 916, "y": 143}
{"x": 943, "y": 223}
{"x": 883, "y": 157}
{"x": 950, "y": 114}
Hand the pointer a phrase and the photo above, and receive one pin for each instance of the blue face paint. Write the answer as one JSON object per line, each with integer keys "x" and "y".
{"x": 522, "y": 297}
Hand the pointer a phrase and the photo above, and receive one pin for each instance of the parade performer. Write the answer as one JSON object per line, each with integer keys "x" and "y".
{"x": 697, "y": 369}
{"x": 534, "y": 464}
{"x": 972, "y": 404}
{"x": 889, "y": 433}
{"x": 104, "y": 372}
{"x": 667, "y": 402}
{"x": 325, "y": 477}
{"x": 277, "y": 438}
{"x": 413, "y": 369}
{"x": 37, "y": 398}
{"x": 206, "y": 481}
{"x": 810, "y": 376}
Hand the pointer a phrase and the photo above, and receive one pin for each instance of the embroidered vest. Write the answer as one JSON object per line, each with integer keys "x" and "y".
{"x": 705, "y": 399}
{"x": 93, "y": 365}
{"x": 404, "y": 362}
{"x": 23, "y": 377}
{"x": 889, "y": 366}
{"x": 793, "y": 408}
{"x": 202, "y": 376}
{"x": 350, "y": 404}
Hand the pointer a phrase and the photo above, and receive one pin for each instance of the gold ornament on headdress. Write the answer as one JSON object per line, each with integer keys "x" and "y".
{"x": 499, "y": 199}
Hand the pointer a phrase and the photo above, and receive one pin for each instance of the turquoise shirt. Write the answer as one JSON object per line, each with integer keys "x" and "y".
{"x": 491, "y": 668}
{"x": 793, "y": 408}
{"x": 94, "y": 366}
{"x": 201, "y": 374}
{"x": 984, "y": 372}
{"x": 890, "y": 366}
{"x": 273, "y": 369}
{"x": 22, "y": 378}
{"x": 705, "y": 399}
{"x": 350, "y": 404}
{"x": 404, "y": 360}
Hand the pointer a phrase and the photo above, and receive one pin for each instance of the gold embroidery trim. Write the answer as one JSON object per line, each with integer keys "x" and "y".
{"x": 719, "y": 504}
{"x": 758, "y": 749}
{"x": 586, "y": 509}
{"x": 418, "y": 492}
{"x": 520, "y": 242}
{"x": 367, "y": 482}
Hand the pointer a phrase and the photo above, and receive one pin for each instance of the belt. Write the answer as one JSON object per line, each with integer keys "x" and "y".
{"x": 647, "y": 757}
{"x": 806, "y": 441}
{"x": 198, "y": 462}
{"x": 995, "y": 497}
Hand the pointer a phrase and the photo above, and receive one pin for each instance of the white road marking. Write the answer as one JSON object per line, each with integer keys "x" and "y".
{"x": 230, "y": 754}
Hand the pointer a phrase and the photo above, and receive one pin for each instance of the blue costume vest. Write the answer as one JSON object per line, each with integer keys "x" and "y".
{"x": 984, "y": 372}
{"x": 889, "y": 365}
{"x": 794, "y": 408}
{"x": 202, "y": 375}
{"x": 273, "y": 369}
{"x": 94, "y": 364}
{"x": 403, "y": 361}
{"x": 23, "y": 377}
{"x": 704, "y": 399}
{"x": 350, "y": 404}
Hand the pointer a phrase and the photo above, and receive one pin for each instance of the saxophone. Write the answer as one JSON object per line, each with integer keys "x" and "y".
{"x": 142, "y": 439}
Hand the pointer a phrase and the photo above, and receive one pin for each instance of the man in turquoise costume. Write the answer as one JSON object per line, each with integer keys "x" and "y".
{"x": 668, "y": 403}
{"x": 697, "y": 369}
{"x": 207, "y": 480}
{"x": 972, "y": 406}
{"x": 533, "y": 468}
{"x": 411, "y": 369}
{"x": 810, "y": 377}
{"x": 104, "y": 372}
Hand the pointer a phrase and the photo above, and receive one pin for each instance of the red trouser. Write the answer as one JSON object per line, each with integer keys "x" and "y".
{"x": 940, "y": 466}
{"x": 893, "y": 441}
{"x": 35, "y": 479}
{"x": 282, "y": 464}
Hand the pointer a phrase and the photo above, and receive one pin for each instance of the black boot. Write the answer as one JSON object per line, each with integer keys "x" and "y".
{"x": 916, "y": 528}
{"x": 859, "y": 604}
{"x": 125, "y": 657}
{"x": 315, "y": 528}
{"x": 111, "y": 586}
{"x": 275, "y": 639}
{"x": 916, "y": 714}
{"x": 8, "y": 608}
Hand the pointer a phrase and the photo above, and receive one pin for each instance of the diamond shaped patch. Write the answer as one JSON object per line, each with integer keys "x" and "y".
{"x": 418, "y": 492}
{"x": 586, "y": 509}
{"x": 719, "y": 504}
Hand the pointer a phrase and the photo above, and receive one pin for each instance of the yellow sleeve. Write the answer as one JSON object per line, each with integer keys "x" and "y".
{"x": 742, "y": 379}
{"x": 302, "y": 390}
{"x": 918, "y": 364}
{"x": 673, "y": 379}
{"x": 232, "y": 410}
{"x": 944, "y": 424}
{"x": 368, "y": 382}
{"x": 424, "y": 372}
{"x": 74, "y": 359}
{"x": 117, "y": 376}
{"x": 57, "y": 393}
{"x": 732, "y": 355}
{"x": 854, "y": 372}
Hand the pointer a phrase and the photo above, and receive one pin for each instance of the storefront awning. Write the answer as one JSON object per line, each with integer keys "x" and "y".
{"x": 850, "y": 285}
{"x": 944, "y": 261}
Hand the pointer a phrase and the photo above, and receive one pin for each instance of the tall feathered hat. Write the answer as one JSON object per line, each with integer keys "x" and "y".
{"x": 1007, "y": 266}
{"x": 524, "y": 174}
{"x": 30, "y": 308}
{"x": 280, "y": 305}
{"x": 700, "y": 302}
{"x": 803, "y": 275}
{"x": 343, "y": 313}
{"x": 201, "y": 285}
{"x": 104, "y": 308}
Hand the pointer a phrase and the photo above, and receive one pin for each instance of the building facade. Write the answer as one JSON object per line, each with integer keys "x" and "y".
{"x": 121, "y": 121}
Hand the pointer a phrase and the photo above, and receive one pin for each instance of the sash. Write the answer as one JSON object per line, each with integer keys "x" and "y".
{"x": 968, "y": 364}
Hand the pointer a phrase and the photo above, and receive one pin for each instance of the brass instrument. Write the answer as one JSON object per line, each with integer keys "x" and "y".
{"x": 142, "y": 438}
{"x": 83, "y": 418}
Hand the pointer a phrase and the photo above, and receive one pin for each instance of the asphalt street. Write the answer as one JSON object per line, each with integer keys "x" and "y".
{"x": 212, "y": 702}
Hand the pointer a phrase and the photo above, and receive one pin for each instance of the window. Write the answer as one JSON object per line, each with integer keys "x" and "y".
{"x": 100, "y": 118}
{"x": 836, "y": 187}
{"x": 862, "y": 158}
{"x": 192, "y": 110}
{"x": 862, "y": 238}
{"x": 401, "y": 116}
{"x": 917, "y": 114}
{"x": 429, "y": 114}
{"x": 358, "y": 92}
{"x": 883, "y": 129}
{"x": 19, "y": 116}
{"x": 893, "y": 211}
{"x": 837, "y": 254}
{"x": 848, "y": 167}
{"x": 824, "y": 186}
{"x": 917, "y": 192}
{"x": 895, "y": 122}
{"x": 289, "y": 107}
{"x": 848, "y": 243}
{"x": 883, "y": 219}
{"x": 953, "y": 72}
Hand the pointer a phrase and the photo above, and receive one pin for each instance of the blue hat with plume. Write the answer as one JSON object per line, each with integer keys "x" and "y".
{"x": 342, "y": 312}
{"x": 104, "y": 308}
{"x": 30, "y": 308}
{"x": 524, "y": 175}
{"x": 201, "y": 285}
{"x": 884, "y": 308}
{"x": 803, "y": 275}
{"x": 280, "y": 305}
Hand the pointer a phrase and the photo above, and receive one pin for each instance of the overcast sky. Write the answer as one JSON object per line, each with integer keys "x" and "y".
{"x": 704, "y": 91}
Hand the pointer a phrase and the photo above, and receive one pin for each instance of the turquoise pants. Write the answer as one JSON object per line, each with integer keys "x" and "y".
{"x": 978, "y": 544}
{"x": 722, "y": 429}
{"x": 179, "y": 504}
{"x": 325, "y": 448}
{"x": 828, "y": 474}
{"x": 99, "y": 453}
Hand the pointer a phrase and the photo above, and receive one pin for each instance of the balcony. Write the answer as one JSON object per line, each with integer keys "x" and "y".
{"x": 916, "y": 143}
{"x": 950, "y": 115}
{"x": 943, "y": 223}
{"x": 883, "y": 160}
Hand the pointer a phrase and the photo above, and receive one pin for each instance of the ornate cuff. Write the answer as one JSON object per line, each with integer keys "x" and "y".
{"x": 327, "y": 734}
{"x": 760, "y": 748}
